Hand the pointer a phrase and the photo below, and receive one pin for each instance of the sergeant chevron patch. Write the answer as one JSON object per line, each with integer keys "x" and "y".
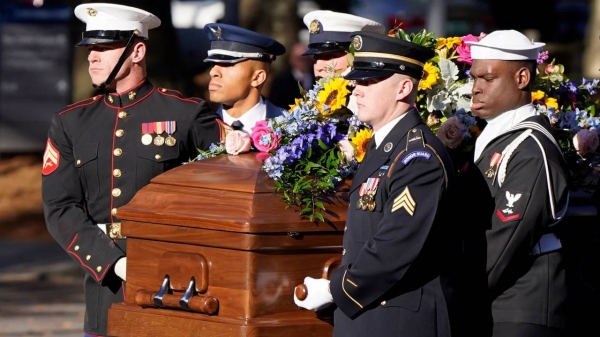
{"x": 406, "y": 201}
{"x": 51, "y": 158}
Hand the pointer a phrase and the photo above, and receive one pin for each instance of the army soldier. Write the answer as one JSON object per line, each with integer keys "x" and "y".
{"x": 102, "y": 150}
{"x": 329, "y": 42}
{"x": 395, "y": 245}
{"x": 524, "y": 190}
{"x": 241, "y": 62}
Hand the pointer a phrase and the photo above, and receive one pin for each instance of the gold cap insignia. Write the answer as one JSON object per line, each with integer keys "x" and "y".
{"x": 217, "y": 32}
{"x": 315, "y": 27}
{"x": 92, "y": 12}
{"x": 357, "y": 42}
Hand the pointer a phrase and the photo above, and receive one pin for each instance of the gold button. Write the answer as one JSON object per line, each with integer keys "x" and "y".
{"x": 117, "y": 152}
{"x": 94, "y": 98}
{"x": 345, "y": 229}
{"x": 76, "y": 248}
{"x": 383, "y": 303}
{"x": 89, "y": 257}
{"x": 116, "y": 192}
{"x": 113, "y": 212}
{"x": 78, "y": 162}
{"x": 163, "y": 90}
{"x": 157, "y": 157}
{"x": 110, "y": 99}
{"x": 119, "y": 133}
{"x": 122, "y": 114}
{"x": 117, "y": 173}
{"x": 344, "y": 251}
{"x": 99, "y": 269}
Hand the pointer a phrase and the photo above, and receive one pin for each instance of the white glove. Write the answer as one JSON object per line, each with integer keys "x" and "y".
{"x": 318, "y": 296}
{"x": 121, "y": 268}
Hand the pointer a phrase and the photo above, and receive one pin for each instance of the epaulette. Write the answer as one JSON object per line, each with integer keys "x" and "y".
{"x": 84, "y": 102}
{"x": 176, "y": 94}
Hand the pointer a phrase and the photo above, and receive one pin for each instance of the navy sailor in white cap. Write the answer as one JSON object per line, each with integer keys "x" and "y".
{"x": 521, "y": 193}
{"x": 102, "y": 150}
{"x": 241, "y": 61}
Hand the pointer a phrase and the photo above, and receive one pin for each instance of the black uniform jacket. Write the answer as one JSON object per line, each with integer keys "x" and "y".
{"x": 389, "y": 281}
{"x": 525, "y": 287}
{"x": 95, "y": 162}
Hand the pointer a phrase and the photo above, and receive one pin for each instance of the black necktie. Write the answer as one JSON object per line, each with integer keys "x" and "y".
{"x": 237, "y": 125}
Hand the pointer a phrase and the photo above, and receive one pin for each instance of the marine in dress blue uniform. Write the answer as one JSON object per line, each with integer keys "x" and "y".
{"x": 102, "y": 150}
{"x": 521, "y": 191}
{"x": 396, "y": 242}
{"x": 233, "y": 50}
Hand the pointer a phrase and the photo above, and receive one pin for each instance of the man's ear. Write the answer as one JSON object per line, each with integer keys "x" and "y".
{"x": 405, "y": 87}
{"x": 138, "y": 52}
{"x": 258, "y": 78}
{"x": 523, "y": 77}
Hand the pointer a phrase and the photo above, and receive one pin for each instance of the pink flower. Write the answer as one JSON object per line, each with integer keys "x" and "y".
{"x": 586, "y": 142}
{"x": 464, "y": 50}
{"x": 346, "y": 148}
{"x": 237, "y": 142}
{"x": 263, "y": 138}
{"x": 452, "y": 132}
{"x": 549, "y": 69}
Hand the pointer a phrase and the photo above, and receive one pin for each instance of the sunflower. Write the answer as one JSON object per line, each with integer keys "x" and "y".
{"x": 430, "y": 76}
{"x": 447, "y": 42}
{"x": 334, "y": 95}
{"x": 537, "y": 95}
{"x": 297, "y": 103}
{"x": 360, "y": 141}
{"x": 551, "y": 103}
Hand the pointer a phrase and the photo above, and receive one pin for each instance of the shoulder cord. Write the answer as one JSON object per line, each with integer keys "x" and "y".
{"x": 508, "y": 151}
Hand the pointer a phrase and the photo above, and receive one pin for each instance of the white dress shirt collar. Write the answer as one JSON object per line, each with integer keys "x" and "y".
{"x": 385, "y": 130}
{"x": 249, "y": 118}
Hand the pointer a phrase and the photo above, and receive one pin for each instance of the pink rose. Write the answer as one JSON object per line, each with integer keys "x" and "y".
{"x": 346, "y": 148}
{"x": 237, "y": 142}
{"x": 464, "y": 50}
{"x": 585, "y": 142}
{"x": 263, "y": 138}
{"x": 452, "y": 132}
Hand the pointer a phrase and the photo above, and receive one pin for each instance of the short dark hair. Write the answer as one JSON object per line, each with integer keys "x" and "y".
{"x": 531, "y": 65}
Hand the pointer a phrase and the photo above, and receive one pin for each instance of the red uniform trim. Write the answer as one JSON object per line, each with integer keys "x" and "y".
{"x": 79, "y": 104}
{"x": 507, "y": 218}
{"x": 175, "y": 96}
{"x": 128, "y": 90}
{"x": 98, "y": 277}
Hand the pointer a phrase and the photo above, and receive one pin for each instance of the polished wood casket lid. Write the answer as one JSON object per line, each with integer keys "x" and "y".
{"x": 229, "y": 193}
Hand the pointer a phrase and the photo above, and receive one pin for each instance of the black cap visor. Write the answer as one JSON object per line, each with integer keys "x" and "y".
{"x": 368, "y": 74}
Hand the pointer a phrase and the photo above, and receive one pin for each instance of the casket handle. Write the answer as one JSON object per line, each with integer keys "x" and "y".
{"x": 331, "y": 265}
{"x": 190, "y": 300}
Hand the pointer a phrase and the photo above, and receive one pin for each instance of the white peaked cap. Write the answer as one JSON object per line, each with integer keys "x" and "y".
{"x": 104, "y": 16}
{"x": 507, "y": 45}
{"x": 342, "y": 22}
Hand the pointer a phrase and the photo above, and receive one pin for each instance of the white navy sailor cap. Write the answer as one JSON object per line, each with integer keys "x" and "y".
{"x": 232, "y": 44}
{"x": 509, "y": 45}
{"x": 330, "y": 31}
{"x": 109, "y": 23}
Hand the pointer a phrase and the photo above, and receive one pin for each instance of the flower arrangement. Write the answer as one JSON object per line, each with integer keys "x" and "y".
{"x": 310, "y": 149}
{"x": 444, "y": 98}
{"x": 320, "y": 143}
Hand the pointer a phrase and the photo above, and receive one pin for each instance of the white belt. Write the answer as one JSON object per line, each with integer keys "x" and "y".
{"x": 548, "y": 243}
{"x": 114, "y": 230}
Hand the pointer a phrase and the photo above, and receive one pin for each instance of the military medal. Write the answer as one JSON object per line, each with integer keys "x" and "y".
{"x": 170, "y": 140}
{"x": 146, "y": 136}
{"x": 491, "y": 172}
{"x": 367, "y": 194}
{"x": 159, "y": 140}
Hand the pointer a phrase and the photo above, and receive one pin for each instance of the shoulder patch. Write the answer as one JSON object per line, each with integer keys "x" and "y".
{"x": 415, "y": 154}
{"x": 512, "y": 206}
{"x": 51, "y": 158}
{"x": 406, "y": 201}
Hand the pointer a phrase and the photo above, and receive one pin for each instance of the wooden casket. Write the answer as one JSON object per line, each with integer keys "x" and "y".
{"x": 212, "y": 251}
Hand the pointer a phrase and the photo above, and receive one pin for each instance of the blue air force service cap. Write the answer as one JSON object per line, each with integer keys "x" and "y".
{"x": 330, "y": 31}
{"x": 378, "y": 55}
{"x": 232, "y": 44}
{"x": 110, "y": 23}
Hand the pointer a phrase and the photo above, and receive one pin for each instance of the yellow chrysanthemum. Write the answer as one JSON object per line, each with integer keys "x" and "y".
{"x": 537, "y": 95}
{"x": 431, "y": 75}
{"x": 551, "y": 103}
{"x": 448, "y": 42}
{"x": 296, "y": 104}
{"x": 334, "y": 95}
{"x": 360, "y": 141}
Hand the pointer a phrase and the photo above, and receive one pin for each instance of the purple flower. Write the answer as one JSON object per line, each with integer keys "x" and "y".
{"x": 543, "y": 56}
